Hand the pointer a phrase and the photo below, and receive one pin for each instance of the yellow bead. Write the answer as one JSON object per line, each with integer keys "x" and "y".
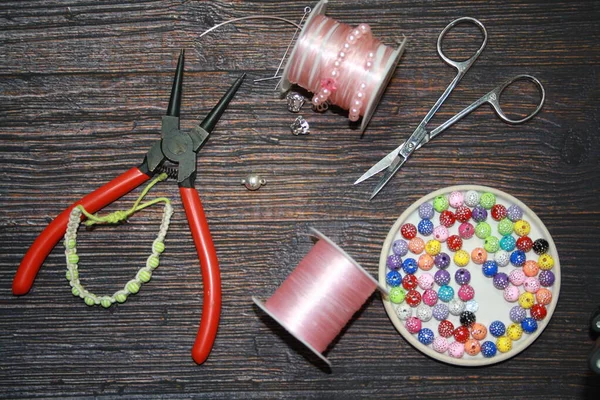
{"x": 546, "y": 261}
{"x": 461, "y": 258}
{"x": 526, "y": 300}
{"x": 522, "y": 227}
{"x": 504, "y": 344}
{"x": 433, "y": 247}
{"x": 514, "y": 331}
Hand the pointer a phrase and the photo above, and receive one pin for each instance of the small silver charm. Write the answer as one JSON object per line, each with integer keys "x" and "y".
{"x": 300, "y": 126}
{"x": 295, "y": 101}
{"x": 253, "y": 182}
{"x": 321, "y": 107}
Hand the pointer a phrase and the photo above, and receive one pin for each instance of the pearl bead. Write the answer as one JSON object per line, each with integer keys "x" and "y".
{"x": 341, "y": 54}
{"x": 322, "y": 97}
{"x": 362, "y": 86}
{"x": 364, "y": 28}
{"x": 370, "y": 55}
{"x": 353, "y": 117}
{"x": 351, "y": 39}
{"x": 326, "y": 92}
{"x": 315, "y": 100}
{"x": 358, "y": 104}
{"x": 335, "y": 73}
{"x": 337, "y": 63}
{"x": 354, "y": 110}
{"x": 346, "y": 46}
{"x": 360, "y": 95}
{"x": 368, "y": 65}
{"x": 357, "y": 33}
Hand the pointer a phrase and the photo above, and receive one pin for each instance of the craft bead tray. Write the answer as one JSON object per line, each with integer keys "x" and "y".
{"x": 488, "y": 304}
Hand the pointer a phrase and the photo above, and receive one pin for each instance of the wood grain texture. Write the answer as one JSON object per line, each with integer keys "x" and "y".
{"x": 82, "y": 88}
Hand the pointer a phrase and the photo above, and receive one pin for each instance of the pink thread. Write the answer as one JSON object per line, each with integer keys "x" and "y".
{"x": 321, "y": 295}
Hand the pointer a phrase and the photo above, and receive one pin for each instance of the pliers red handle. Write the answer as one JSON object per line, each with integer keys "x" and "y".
{"x": 175, "y": 146}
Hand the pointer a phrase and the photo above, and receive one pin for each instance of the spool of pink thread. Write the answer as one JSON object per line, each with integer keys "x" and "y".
{"x": 320, "y": 296}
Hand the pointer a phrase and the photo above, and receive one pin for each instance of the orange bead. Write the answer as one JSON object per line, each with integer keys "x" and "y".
{"x": 425, "y": 262}
{"x": 479, "y": 255}
{"x": 472, "y": 347}
{"x": 531, "y": 268}
{"x": 543, "y": 296}
{"x": 478, "y": 331}
{"x": 416, "y": 245}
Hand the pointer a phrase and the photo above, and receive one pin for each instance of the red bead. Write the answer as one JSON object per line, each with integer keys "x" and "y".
{"x": 454, "y": 243}
{"x": 463, "y": 213}
{"x": 413, "y": 298}
{"x": 461, "y": 334}
{"x": 524, "y": 243}
{"x": 409, "y": 282}
{"x": 499, "y": 212}
{"x": 409, "y": 231}
{"x": 447, "y": 218}
{"x": 538, "y": 311}
{"x": 446, "y": 328}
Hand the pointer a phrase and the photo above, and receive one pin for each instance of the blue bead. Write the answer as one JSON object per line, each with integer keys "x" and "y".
{"x": 410, "y": 266}
{"x": 426, "y": 211}
{"x": 445, "y": 293}
{"x": 426, "y": 336}
{"x": 529, "y": 325}
{"x": 394, "y": 262}
{"x": 479, "y": 214}
{"x": 393, "y": 278}
{"x": 517, "y": 258}
{"x": 497, "y": 328}
{"x": 488, "y": 349}
{"x": 489, "y": 268}
{"x": 425, "y": 227}
{"x": 508, "y": 243}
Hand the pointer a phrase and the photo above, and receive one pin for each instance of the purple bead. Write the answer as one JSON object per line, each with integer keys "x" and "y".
{"x": 400, "y": 247}
{"x": 426, "y": 211}
{"x": 442, "y": 260}
{"x": 514, "y": 213}
{"x": 462, "y": 276}
{"x": 440, "y": 311}
{"x": 501, "y": 281}
{"x": 479, "y": 214}
{"x": 546, "y": 278}
{"x": 517, "y": 314}
{"x": 442, "y": 277}
{"x": 394, "y": 262}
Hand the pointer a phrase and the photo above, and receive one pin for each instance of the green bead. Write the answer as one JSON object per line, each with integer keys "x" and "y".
{"x": 89, "y": 301}
{"x": 158, "y": 246}
{"x": 440, "y": 203}
{"x": 483, "y": 230}
{"x": 70, "y": 244}
{"x": 144, "y": 275}
{"x": 133, "y": 287}
{"x": 491, "y": 244}
{"x": 152, "y": 262}
{"x": 105, "y": 302}
{"x": 75, "y": 291}
{"x": 73, "y": 258}
{"x": 68, "y": 275}
{"x": 487, "y": 200}
{"x": 121, "y": 297}
{"x": 397, "y": 295}
{"x": 505, "y": 227}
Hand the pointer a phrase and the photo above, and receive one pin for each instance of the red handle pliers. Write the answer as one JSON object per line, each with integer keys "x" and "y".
{"x": 177, "y": 147}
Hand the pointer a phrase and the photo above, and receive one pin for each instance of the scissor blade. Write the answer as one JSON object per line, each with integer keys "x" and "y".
{"x": 384, "y": 163}
{"x": 389, "y": 173}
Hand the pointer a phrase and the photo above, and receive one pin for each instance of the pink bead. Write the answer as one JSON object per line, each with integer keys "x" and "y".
{"x": 364, "y": 28}
{"x": 440, "y": 233}
{"x": 357, "y": 33}
{"x": 335, "y": 73}
{"x": 517, "y": 277}
{"x": 413, "y": 324}
{"x": 316, "y": 101}
{"x": 360, "y": 95}
{"x": 456, "y": 199}
{"x": 368, "y": 65}
{"x": 322, "y": 96}
{"x": 370, "y": 55}
{"x": 353, "y": 117}
{"x": 466, "y": 230}
{"x": 440, "y": 344}
{"x": 511, "y": 293}
{"x": 337, "y": 63}
{"x": 346, "y": 46}
{"x": 362, "y": 86}
{"x": 425, "y": 281}
{"x": 531, "y": 284}
{"x": 456, "y": 350}
{"x": 351, "y": 38}
{"x": 466, "y": 292}
{"x": 357, "y": 103}
{"x": 430, "y": 297}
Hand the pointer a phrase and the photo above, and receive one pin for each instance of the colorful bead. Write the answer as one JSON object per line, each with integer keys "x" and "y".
{"x": 456, "y": 199}
{"x": 433, "y": 247}
{"x": 393, "y": 278}
{"x": 522, "y": 227}
{"x": 479, "y": 214}
{"x": 445, "y": 293}
{"x": 502, "y": 258}
{"x": 498, "y": 212}
{"x": 456, "y": 306}
{"x": 538, "y": 312}
{"x": 529, "y": 325}
{"x": 546, "y": 278}
{"x": 514, "y": 213}
{"x": 442, "y": 277}
{"x": 511, "y": 293}
{"x": 504, "y": 344}
{"x": 413, "y": 298}
{"x": 440, "y": 203}
{"x": 144, "y": 275}
{"x": 416, "y": 245}
{"x": 158, "y": 246}
{"x": 394, "y": 262}
{"x": 408, "y": 231}
{"x": 425, "y": 227}
{"x": 487, "y": 200}
{"x": 508, "y": 243}
{"x": 514, "y": 331}
{"x": 461, "y": 334}
{"x": 518, "y": 258}
{"x": 517, "y": 314}
{"x": 410, "y": 266}
{"x": 456, "y": 350}
{"x": 540, "y": 246}
{"x": 467, "y": 318}
{"x": 447, "y": 218}
{"x": 472, "y": 306}
{"x": 424, "y": 312}
{"x": 531, "y": 268}
{"x": 425, "y": 281}
{"x": 413, "y": 324}
{"x": 531, "y": 284}
{"x": 397, "y": 295}
{"x": 462, "y": 276}
{"x": 478, "y": 331}
{"x": 524, "y": 243}
{"x": 446, "y": 329}
{"x": 425, "y": 262}
{"x": 546, "y": 262}
{"x": 479, "y": 255}
{"x": 497, "y": 328}
{"x": 488, "y": 349}
{"x": 491, "y": 244}
{"x": 442, "y": 260}
{"x": 404, "y": 312}
{"x": 466, "y": 292}
{"x": 505, "y": 227}
{"x": 501, "y": 281}
{"x": 472, "y": 347}
{"x": 426, "y": 211}
{"x": 400, "y": 247}
{"x": 471, "y": 198}
{"x": 440, "y": 344}
{"x": 430, "y": 297}
{"x": 543, "y": 296}
{"x": 440, "y": 312}
{"x": 462, "y": 214}
{"x": 461, "y": 258}
{"x": 489, "y": 269}
{"x": 440, "y": 232}
{"x": 517, "y": 277}
{"x": 526, "y": 300}
{"x": 466, "y": 230}
{"x": 409, "y": 282}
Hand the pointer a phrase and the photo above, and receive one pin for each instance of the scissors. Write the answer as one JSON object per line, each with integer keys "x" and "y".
{"x": 396, "y": 159}
{"x": 178, "y": 147}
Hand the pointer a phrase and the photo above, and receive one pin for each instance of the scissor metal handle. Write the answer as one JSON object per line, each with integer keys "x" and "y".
{"x": 462, "y": 66}
{"x": 493, "y": 98}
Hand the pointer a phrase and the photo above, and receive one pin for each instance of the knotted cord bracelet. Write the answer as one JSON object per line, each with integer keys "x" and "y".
{"x": 143, "y": 275}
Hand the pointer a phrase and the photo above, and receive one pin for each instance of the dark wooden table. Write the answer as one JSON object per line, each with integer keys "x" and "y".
{"x": 83, "y": 86}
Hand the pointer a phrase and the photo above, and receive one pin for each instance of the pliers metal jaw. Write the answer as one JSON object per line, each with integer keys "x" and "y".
{"x": 179, "y": 147}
